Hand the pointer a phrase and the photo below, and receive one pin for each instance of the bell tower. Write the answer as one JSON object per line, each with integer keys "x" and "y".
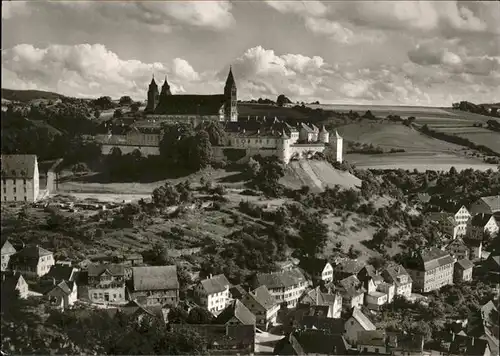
{"x": 231, "y": 100}
{"x": 165, "y": 89}
{"x": 153, "y": 96}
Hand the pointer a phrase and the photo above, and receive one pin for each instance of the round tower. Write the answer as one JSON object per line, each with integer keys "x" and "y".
{"x": 283, "y": 149}
{"x": 324, "y": 135}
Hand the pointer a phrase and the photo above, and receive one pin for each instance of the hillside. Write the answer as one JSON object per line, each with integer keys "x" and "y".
{"x": 317, "y": 175}
{"x": 26, "y": 96}
{"x": 252, "y": 109}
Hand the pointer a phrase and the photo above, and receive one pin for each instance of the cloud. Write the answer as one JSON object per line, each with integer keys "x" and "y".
{"x": 87, "y": 70}
{"x": 12, "y": 9}
{"x": 159, "y": 16}
{"x": 299, "y": 7}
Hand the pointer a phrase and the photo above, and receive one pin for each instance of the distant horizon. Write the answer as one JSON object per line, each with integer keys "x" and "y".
{"x": 411, "y": 53}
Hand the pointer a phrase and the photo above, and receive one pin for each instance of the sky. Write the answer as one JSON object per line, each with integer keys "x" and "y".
{"x": 354, "y": 52}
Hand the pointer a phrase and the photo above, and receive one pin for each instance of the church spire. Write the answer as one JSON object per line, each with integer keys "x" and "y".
{"x": 230, "y": 78}
{"x": 165, "y": 89}
{"x": 153, "y": 83}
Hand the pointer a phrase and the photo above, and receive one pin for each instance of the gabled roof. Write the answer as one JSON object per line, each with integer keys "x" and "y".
{"x": 61, "y": 272}
{"x": 262, "y": 296}
{"x": 371, "y": 337}
{"x": 330, "y": 325}
{"x": 237, "y": 292}
{"x": 95, "y": 270}
{"x": 464, "y": 264}
{"x": 313, "y": 342}
{"x": 33, "y": 252}
{"x": 60, "y": 287}
{"x": 480, "y": 220}
{"x": 190, "y": 105}
{"x": 155, "y": 278}
{"x": 18, "y": 166}
{"x": 458, "y": 243}
{"x": 424, "y": 197}
{"x": 351, "y": 286}
{"x": 280, "y": 279}
{"x": 314, "y": 265}
{"x": 405, "y": 342}
{"x": 216, "y": 284}
{"x": 315, "y": 296}
{"x": 440, "y": 216}
{"x": 7, "y": 248}
{"x": 492, "y": 202}
{"x": 10, "y": 280}
{"x": 465, "y": 345}
{"x": 133, "y": 307}
{"x": 431, "y": 258}
{"x": 238, "y": 310}
{"x": 349, "y": 267}
{"x": 362, "y": 319}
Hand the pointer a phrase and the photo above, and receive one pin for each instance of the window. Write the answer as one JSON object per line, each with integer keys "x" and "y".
{"x": 25, "y": 199}
{"x": 376, "y": 350}
{"x": 24, "y": 181}
{"x": 15, "y": 190}
{"x": 15, "y": 198}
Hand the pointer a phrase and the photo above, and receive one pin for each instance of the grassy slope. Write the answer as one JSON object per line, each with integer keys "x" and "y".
{"x": 25, "y": 96}
{"x": 245, "y": 110}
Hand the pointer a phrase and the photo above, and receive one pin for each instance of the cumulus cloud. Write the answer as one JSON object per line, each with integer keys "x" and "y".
{"x": 299, "y": 7}
{"x": 87, "y": 70}
{"x": 159, "y": 16}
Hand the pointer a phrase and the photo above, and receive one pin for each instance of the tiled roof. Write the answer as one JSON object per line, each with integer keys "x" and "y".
{"x": 465, "y": 263}
{"x": 362, "y": 319}
{"x": 238, "y": 310}
{"x": 63, "y": 287}
{"x": 315, "y": 296}
{"x": 433, "y": 258}
{"x": 95, "y": 270}
{"x": 216, "y": 284}
{"x": 221, "y": 334}
{"x": 424, "y": 197}
{"x": 349, "y": 267}
{"x": 237, "y": 291}
{"x": 263, "y": 297}
{"x": 33, "y": 252}
{"x": 439, "y": 216}
{"x": 313, "y": 265}
{"x": 480, "y": 220}
{"x": 60, "y": 272}
{"x": 330, "y": 325}
{"x": 18, "y": 166}
{"x": 351, "y": 286}
{"x": 313, "y": 342}
{"x": 190, "y": 105}
{"x": 134, "y": 307}
{"x": 411, "y": 343}
{"x": 392, "y": 272}
{"x": 465, "y": 345}
{"x": 7, "y": 248}
{"x": 280, "y": 279}
{"x": 371, "y": 337}
{"x": 155, "y": 278}
{"x": 493, "y": 202}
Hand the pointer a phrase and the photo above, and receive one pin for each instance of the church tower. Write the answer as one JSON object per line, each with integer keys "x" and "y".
{"x": 165, "y": 89}
{"x": 231, "y": 101}
{"x": 153, "y": 96}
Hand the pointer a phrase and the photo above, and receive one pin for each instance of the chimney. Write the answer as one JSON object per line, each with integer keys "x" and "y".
{"x": 210, "y": 276}
{"x": 54, "y": 281}
{"x": 472, "y": 341}
{"x": 317, "y": 297}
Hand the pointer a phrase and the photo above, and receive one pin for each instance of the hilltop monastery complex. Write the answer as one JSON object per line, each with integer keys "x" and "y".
{"x": 250, "y": 135}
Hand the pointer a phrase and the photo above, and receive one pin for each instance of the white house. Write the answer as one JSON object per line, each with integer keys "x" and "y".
{"x": 14, "y": 281}
{"x": 7, "y": 251}
{"x": 62, "y": 295}
{"x": 263, "y": 305}
{"x": 481, "y": 223}
{"x": 213, "y": 293}
{"x": 462, "y": 217}
{"x": 397, "y": 275}
{"x": 285, "y": 287}
{"x": 317, "y": 297}
{"x": 20, "y": 178}
{"x": 319, "y": 269}
{"x": 355, "y": 323}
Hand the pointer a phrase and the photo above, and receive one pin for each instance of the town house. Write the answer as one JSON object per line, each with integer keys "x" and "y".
{"x": 458, "y": 249}
{"x": 357, "y": 322}
{"x": 286, "y": 287}
{"x": 33, "y": 261}
{"x": 462, "y": 217}
{"x": 352, "y": 291}
{"x": 106, "y": 283}
{"x": 62, "y": 272}
{"x": 345, "y": 268}
{"x": 154, "y": 285}
{"x": 263, "y": 305}
{"x": 430, "y": 269}
{"x": 61, "y": 295}
{"x": 332, "y": 300}
{"x": 7, "y": 251}
{"x": 319, "y": 269}
{"x": 445, "y": 223}
{"x": 311, "y": 342}
{"x": 20, "y": 178}
{"x": 213, "y": 293}
{"x": 378, "y": 293}
{"x": 483, "y": 223}
{"x": 462, "y": 271}
{"x": 14, "y": 281}
{"x": 236, "y": 313}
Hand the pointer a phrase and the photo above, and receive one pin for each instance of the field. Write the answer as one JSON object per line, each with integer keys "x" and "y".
{"x": 478, "y": 135}
{"x": 261, "y": 110}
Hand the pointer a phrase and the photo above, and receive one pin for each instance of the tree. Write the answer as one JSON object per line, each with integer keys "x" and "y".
{"x": 97, "y": 114}
{"x": 200, "y": 154}
{"x": 253, "y": 167}
{"x": 134, "y": 107}
{"x": 282, "y": 99}
{"x": 125, "y": 100}
{"x": 118, "y": 113}
{"x": 199, "y": 315}
{"x": 104, "y": 103}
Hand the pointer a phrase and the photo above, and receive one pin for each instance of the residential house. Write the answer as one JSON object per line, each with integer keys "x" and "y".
{"x": 375, "y": 299}
{"x": 458, "y": 249}
{"x": 106, "y": 283}
{"x": 20, "y": 178}
{"x": 397, "y": 275}
{"x": 236, "y": 313}
{"x": 332, "y": 326}
{"x": 372, "y": 341}
{"x": 378, "y": 292}
{"x": 61, "y": 295}
{"x": 320, "y": 270}
{"x": 311, "y": 342}
{"x": 352, "y": 291}
{"x": 286, "y": 287}
{"x": 462, "y": 271}
{"x": 446, "y": 223}
{"x": 33, "y": 261}
{"x": 134, "y": 310}
{"x": 213, "y": 293}
{"x": 223, "y": 339}
{"x": 7, "y": 251}
{"x": 430, "y": 269}
{"x": 462, "y": 217}
{"x": 466, "y": 345}
{"x": 475, "y": 245}
{"x": 263, "y": 305}
{"x": 288, "y": 265}
{"x": 357, "y": 322}
{"x": 292, "y": 318}
{"x": 404, "y": 344}
{"x": 345, "y": 268}
{"x": 483, "y": 223}
{"x": 486, "y": 205}
{"x": 154, "y": 285}
{"x": 14, "y": 281}
{"x": 487, "y": 309}
{"x": 237, "y": 292}
{"x": 316, "y": 297}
